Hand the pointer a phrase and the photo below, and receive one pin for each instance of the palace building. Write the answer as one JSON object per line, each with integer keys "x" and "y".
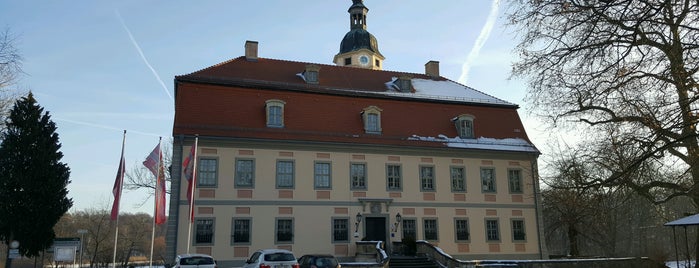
{"x": 314, "y": 157}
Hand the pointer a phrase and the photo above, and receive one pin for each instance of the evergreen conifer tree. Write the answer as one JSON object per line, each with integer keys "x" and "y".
{"x": 33, "y": 180}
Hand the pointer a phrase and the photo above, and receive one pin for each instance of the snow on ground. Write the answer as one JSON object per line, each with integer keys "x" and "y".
{"x": 682, "y": 264}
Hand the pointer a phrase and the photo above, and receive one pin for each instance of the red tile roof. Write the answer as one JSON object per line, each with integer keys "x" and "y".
{"x": 228, "y": 100}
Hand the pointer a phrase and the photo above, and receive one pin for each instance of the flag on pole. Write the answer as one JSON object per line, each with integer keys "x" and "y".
{"x": 116, "y": 190}
{"x": 189, "y": 167}
{"x": 154, "y": 163}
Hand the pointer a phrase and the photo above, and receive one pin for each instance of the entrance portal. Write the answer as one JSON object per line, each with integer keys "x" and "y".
{"x": 376, "y": 229}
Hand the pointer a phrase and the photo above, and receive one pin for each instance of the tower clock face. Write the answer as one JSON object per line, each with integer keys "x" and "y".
{"x": 363, "y": 60}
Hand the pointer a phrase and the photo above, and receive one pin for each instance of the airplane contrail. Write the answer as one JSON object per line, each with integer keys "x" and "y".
{"x": 480, "y": 41}
{"x": 143, "y": 57}
{"x": 106, "y": 127}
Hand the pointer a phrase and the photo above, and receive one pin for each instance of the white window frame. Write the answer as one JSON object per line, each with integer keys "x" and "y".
{"x": 465, "y": 126}
{"x": 371, "y": 126}
{"x": 273, "y": 119}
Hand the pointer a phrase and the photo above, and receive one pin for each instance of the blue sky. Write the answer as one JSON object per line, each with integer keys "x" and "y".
{"x": 100, "y": 67}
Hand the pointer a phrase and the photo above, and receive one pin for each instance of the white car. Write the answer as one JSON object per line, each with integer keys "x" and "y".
{"x": 272, "y": 258}
{"x": 194, "y": 261}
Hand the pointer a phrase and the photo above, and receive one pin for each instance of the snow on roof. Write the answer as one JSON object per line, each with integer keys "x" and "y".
{"x": 691, "y": 220}
{"x": 509, "y": 144}
{"x": 442, "y": 90}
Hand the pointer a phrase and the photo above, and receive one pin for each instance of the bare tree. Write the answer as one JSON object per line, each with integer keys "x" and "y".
{"x": 627, "y": 66}
{"x": 10, "y": 69}
{"x": 139, "y": 177}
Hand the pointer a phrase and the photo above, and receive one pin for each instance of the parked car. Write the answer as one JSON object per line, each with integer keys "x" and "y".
{"x": 194, "y": 261}
{"x": 271, "y": 258}
{"x": 318, "y": 261}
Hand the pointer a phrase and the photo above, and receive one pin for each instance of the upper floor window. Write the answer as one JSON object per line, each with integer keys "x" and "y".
{"x": 285, "y": 174}
{"x": 372, "y": 119}
{"x": 458, "y": 180}
{"x": 393, "y": 177}
{"x": 358, "y": 175}
{"x": 427, "y": 178}
{"x": 244, "y": 172}
{"x": 207, "y": 172}
{"x": 275, "y": 113}
{"x": 464, "y": 126}
{"x": 322, "y": 175}
{"x": 514, "y": 177}
{"x": 488, "y": 180}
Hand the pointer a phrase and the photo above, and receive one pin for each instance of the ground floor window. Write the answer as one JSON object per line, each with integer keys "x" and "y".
{"x": 409, "y": 229}
{"x": 340, "y": 230}
{"x": 285, "y": 231}
{"x": 204, "y": 233}
{"x": 241, "y": 231}
{"x": 430, "y": 228}
{"x": 462, "y": 233}
{"x": 518, "y": 233}
{"x": 492, "y": 230}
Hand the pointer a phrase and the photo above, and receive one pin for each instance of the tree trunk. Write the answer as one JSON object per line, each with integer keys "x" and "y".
{"x": 573, "y": 241}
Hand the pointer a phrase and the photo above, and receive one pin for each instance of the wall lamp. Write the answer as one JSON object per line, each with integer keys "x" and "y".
{"x": 359, "y": 220}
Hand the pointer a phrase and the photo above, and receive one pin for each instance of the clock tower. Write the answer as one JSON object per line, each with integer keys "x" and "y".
{"x": 359, "y": 48}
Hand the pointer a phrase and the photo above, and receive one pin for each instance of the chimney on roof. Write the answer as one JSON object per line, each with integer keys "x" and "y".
{"x": 432, "y": 68}
{"x": 251, "y": 50}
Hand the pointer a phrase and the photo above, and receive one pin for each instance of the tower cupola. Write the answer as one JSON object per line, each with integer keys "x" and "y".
{"x": 359, "y": 48}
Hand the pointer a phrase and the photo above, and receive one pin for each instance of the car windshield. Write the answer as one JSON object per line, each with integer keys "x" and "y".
{"x": 325, "y": 262}
{"x": 279, "y": 257}
{"x": 196, "y": 261}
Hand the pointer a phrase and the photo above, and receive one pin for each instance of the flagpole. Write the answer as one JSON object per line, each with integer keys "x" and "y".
{"x": 120, "y": 177}
{"x": 191, "y": 200}
{"x": 155, "y": 198}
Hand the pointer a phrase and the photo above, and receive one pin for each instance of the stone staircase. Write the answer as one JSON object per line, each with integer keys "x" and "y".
{"x": 411, "y": 262}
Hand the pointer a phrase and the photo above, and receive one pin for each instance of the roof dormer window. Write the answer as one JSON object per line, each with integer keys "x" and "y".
{"x": 311, "y": 73}
{"x": 464, "y": 126}
{"x": 372, "y": 119}
{"x": 275, "y": 113}
{"x": 404, "y": 84}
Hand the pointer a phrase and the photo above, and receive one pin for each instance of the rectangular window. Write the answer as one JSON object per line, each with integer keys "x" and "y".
{"x": 206, "y": 174}
{"x": 409, "y": 229}
{"x": 462, "y": 232}
{"x": 275, "y": 116}
{"x": 427, "y": 178}
{"x": 430, "y": 228}
{"x": 244, "y": 172}
{"x": 204, "y": 233}
{"x": 458, "y": 181}
{"x": 321, "y": 175}
{"x": 515, "y": 178}
{"x": 488, "y": 180}
{"x": 492, "y": 230}
{"x": 372, "y": 125}
{"x": 518, "y": 233}
{"x": 393, "y": 177}
{"x": 340, "y": 230}
{"x": 285, "y": 231}
{"x": 285, "y": 174}
{"x": 241, "y": 231}
{"x": 358, "y": 175}
{"x": 465, "y": 128}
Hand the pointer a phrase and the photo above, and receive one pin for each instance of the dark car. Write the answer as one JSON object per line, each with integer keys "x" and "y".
{"x": 318, "y": 261}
